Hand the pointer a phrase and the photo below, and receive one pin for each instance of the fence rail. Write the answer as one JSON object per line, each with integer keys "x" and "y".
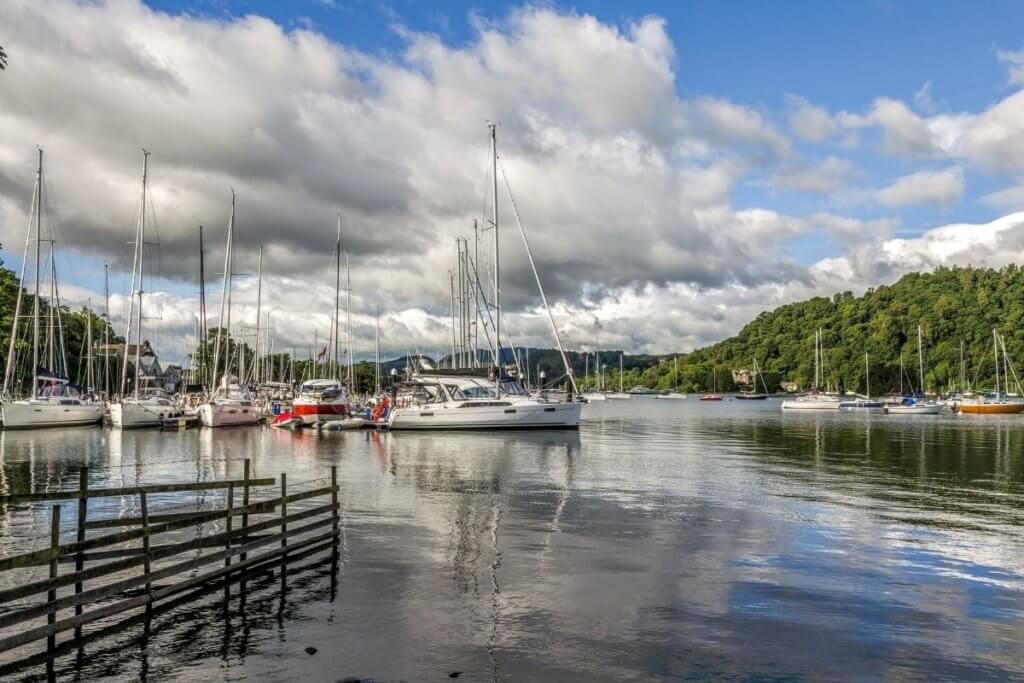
{"x": 297, "y": 533}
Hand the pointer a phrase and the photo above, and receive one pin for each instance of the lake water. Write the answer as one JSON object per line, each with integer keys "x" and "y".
{"x": 665, "y": 540}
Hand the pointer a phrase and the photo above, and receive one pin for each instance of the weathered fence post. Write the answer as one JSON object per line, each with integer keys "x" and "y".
{"x": 245, "y": 506}
{"x": 284, "y": 514}
{"x": 145, "y": 539}
{"x": 51, "y": 595}
{"x": 335, "y": 513}
{"x": 83, "y": 507}
{"x": 228, "y": 514}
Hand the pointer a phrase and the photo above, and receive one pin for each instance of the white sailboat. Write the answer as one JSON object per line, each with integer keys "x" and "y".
{"x": 231, "y": 403}
{"x": 597, "y": 393}
{"x": 482, "y": 398}
{"x": 147, "y": 406}
{"x": 864, "y": 403}
{"x": 815, "y": 400}
{"x": 53, "y": 402}
{"x": 619, "y": 395}
{"x": 675, "y": 393}
{"x": 916, "y": 405}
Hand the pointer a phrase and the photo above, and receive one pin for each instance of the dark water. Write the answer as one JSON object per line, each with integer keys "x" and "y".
{"x": 666, "y": 540}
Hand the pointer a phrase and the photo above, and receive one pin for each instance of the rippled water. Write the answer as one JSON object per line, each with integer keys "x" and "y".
{"x": 665, "y": 540}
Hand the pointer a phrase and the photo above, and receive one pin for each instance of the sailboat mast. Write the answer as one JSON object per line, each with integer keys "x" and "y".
{"x": 349, "y": 342}
{"x": 259, "y": 315}
{"x": 136, "y": 289}
{"x": 451, "y": 297}
{"x": 497, "y": 269}
{"x": 89, "y": 382}
{"x": 336, "y": 374}
{"x": 142, "y": 243}
{"x": 920, "y": 361}
{"x": 106, "y": 331}
{"x": 477, "y": 318}
{"x": 620, "y": 372}
{"x": 225, "y": 302}
{"x": 35, "y": 310}
{"x": 376, "y": 353}
{"x": 995, "y": 356}
{"x": 867, "y": 376}
{"x": 202, "y": 311}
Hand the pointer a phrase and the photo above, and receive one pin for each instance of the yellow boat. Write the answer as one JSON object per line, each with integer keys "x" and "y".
{"x": 991, "y": 408}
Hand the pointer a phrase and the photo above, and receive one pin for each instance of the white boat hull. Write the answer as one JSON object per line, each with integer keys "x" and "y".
{"x": 914, "y": 410}
{"x": 228, "y": 415}
{"x": 810, "y": 405}
{"x": 43, "y": 414}
{"x": 615, "y": 396}
{"x": 509, "y": 416}
{"x": 671, "y": 397}
{"x": 130, "y": 414}
{"x": 595, "y": 396}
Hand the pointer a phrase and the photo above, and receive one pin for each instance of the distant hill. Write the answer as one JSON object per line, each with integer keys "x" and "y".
{"x": 952, "y": 305}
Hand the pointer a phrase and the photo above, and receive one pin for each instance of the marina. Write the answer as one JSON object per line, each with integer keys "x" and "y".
{"x": 470, "y": 551}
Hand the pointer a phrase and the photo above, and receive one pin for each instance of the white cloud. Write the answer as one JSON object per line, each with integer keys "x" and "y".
{"x": 941, "y": 188}
{"x": 808, "y": 121}
{"x": 828, "y": 176}
{"x": 1014, "y": 61}
{"x": 1007, "y": 199}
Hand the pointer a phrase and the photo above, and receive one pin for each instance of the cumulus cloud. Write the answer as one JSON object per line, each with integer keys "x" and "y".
{"x": 940, "y": 188}
{"x": 1014, "y": 61}
{"x": 625, "y": 186}
{"x": 829, "y": 175}
{"x": 808, "y": 121}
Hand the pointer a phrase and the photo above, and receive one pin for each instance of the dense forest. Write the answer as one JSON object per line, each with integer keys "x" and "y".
{"x": 952, "y": 305}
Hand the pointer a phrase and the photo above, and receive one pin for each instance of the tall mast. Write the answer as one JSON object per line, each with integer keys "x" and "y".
{"x": 89, "y": 382}
{"x": 901, "y": 373}
{"x": 867, "y": 376}
{"x": 349, "y": 343}
{"x": 259, "y": 316}
{"x": 376, "y": 353}
{"x": 995, "y": 356}
{"x": 35, "y": 309}
{"x": 203, "y": 379}
{"x": 620, "y": 372}
{"x": 337, "y": 299}
{"x": 497, "y": 269}
{"x": 225, "y": 301}
{"x": 137, "y": 273}
{"x": 106, "y": 331}
{"x": 963, "y": 385}
{"x": 920, "y": 361}
{"x": 477, "y": 319}
{"x": 451, "y": 297}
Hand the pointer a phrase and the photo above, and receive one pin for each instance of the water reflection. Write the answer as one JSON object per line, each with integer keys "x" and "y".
{"x": 664, "y": 539}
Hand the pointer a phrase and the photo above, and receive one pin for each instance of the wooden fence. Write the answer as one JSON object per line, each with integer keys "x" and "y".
{"x": 135, "y": 586}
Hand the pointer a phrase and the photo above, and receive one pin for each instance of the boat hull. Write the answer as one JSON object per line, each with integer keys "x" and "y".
{"x": 130, "y": 415}
{"x": 312, "y": 412}
{"x": 513, "y": 416}
{"x": 810, "y": 405}
{"x": 228, "y": 415}
{"x": 991, "y": 408}
{"x": 912, "y": 410}
{"x": 671, "y": 397}
{"x": 751, "y": 397}
{"x": 617, "y": 396}
{"x": 33, "y": 415}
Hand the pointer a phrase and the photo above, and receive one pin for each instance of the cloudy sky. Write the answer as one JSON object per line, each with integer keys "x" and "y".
{"x": 678, "y": 169}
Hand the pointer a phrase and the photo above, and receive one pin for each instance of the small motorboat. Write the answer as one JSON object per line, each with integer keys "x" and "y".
{"x": 344, "y": 423}
{"x": 287, "y": 420}
{"x": 711, "y": 397}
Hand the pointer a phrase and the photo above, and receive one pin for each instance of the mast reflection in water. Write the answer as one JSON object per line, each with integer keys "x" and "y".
{"x": 665, "y": 539}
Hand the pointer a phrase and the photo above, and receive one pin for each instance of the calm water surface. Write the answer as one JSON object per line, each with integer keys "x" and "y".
{"x": 665, "y": 540}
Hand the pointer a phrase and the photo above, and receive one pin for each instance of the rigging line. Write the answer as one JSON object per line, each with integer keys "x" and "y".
{"x": 536, "y": 275}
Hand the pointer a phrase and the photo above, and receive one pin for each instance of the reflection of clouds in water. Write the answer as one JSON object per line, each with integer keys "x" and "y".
{"x": 666, "y": 539}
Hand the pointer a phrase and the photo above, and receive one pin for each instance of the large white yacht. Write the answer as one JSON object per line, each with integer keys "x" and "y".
{"x": 55, "y": 404}
{"x": 232, "y": 404}
{"x": 147, "y": 409}
{"x": 468, "y": 399}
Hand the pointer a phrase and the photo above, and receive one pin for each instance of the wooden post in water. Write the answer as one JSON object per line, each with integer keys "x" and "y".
{"x": 145, "y": 539}
{"x": 83, "y": 507}
{"x": 245, "y": 506}
{"x": 284, "y": 514}
{"x": 51, "y": 595}
{"x": 335, "y": 512}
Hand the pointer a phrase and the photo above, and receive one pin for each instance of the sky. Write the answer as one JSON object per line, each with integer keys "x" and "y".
{"x": 679, "y": 167}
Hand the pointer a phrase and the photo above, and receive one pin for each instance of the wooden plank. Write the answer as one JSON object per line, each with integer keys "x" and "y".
{"x": 51, "y": 596}
{"x": 245, "y": 502}
{"x": 112, "y": 589}
{"x": 284, "y": 511}
{"x": 159, "y": 553}
{"x": 129, "y": 490}
{"x": 257, "y": 508}
{"x": 334, "y": 501}
{"x": 49, "y": 630}
{"x": 44, "y": 556}
{"x": 227, "y": 524}
{"x": 83, "y": 510}
{"x": 145, "y": 539}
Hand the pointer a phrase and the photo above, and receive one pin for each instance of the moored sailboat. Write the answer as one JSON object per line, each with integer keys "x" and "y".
{"x": 53, "y": 401}
{"x": 997, "y": 402}
{"x": 917, "y": 404}
{"x": 814, "y": 400}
